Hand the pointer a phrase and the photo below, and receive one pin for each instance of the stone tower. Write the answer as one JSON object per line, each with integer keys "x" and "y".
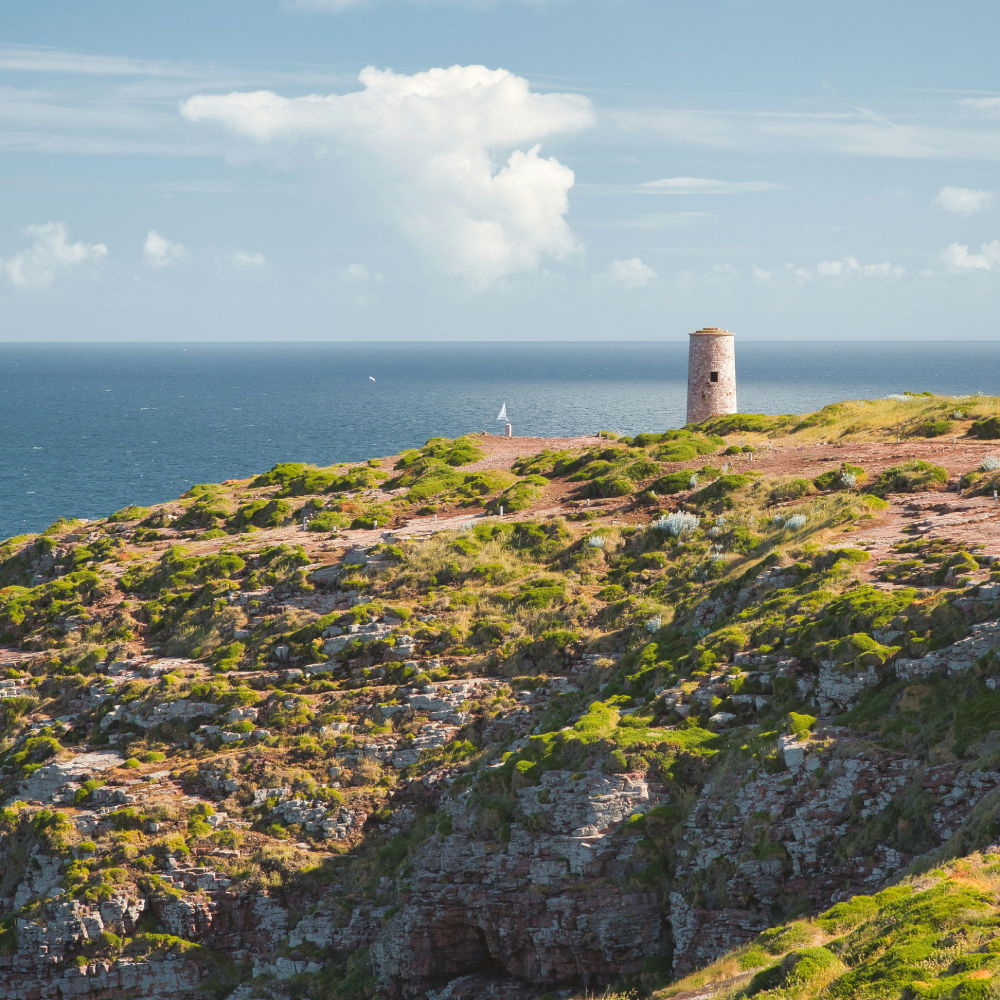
{"x": 711, "y": 374}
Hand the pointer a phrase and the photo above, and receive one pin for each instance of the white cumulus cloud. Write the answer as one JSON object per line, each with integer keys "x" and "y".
{"x": 957, "y": 257}
{"x": 50, "y": 252}
{"x": 246, "y": 259}
{"x": 965, "y": 201}
{"x": 159, "y": 251}
{"x": 631, "y": 273}
{"x": 442, "y": 145}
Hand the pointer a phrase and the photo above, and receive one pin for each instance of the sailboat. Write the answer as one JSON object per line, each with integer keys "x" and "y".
{"x": 502, "y": 415}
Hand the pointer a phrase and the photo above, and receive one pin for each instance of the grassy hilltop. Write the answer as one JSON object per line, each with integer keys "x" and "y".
{"x": 666, "y": 607}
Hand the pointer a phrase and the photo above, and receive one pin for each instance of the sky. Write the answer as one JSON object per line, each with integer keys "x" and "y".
{"x": 267, "y": 170}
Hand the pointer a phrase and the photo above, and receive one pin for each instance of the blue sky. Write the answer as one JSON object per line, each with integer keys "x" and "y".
{"x": 519, "y": 169}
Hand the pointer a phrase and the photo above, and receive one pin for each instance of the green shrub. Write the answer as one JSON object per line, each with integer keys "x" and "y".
{"x": 790, "y": 489}
{"x": 988, "y": 428}
{"x": 541, "y": 593}
{"x": 723, "y": 486}
{"x": 130, "y": 513}
{"x": 673, "y": 482}
{"x": 86, "y": 790}
{"x": 261, "y": 514}
{"x": 519, "y": 496}
{"x": 677, "y": 451}
{"x": 800, "y": 725}
{"x": 931, "y": 428}
{"x": 461, "y": 451}
{"x": 128, "y": 818}
{"x": 177, "y": 570}
{"x": 874, "y": 503}
{"x": 228, "y": 657}
{"x": 837, "y": 479}
{"x": 735, "y": 423}
{"x": 328, "y": 520}
{"x": 642, "y": 469}
{"x": 609, "y": 486}
{"x": 909, "y": 477}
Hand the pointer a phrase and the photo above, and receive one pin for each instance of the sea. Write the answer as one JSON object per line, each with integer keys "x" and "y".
{"x": 90, "y": 428}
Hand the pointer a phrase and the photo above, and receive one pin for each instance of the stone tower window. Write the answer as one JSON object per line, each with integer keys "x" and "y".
{"x": 713, "y": 377}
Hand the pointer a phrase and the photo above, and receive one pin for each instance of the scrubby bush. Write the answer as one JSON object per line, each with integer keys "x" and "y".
{"x": 988, "y": 428}
{"x": 328, "y": 520}
{"x": 609, "y": 486}
{"x": 541, "y": 593}
{"x": 754, "y": 423}
{"x": 674, "y": 482}
{"x": 910, "y": 477}
{"x": 723, "y": 486}
{"x": 519, "y": 496}
{"x": 130, "y": 513}
{"x": 790, "y": 489}
{"x": 844, "y": 477}
{"x": 678, "y": 522}
{"x": 261, "y": 514}
{"x": 461, "y": 451}
{"x": 932, "y": 428}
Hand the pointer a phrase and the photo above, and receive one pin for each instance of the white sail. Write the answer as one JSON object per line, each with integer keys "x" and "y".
{"x": 502, "y": 415}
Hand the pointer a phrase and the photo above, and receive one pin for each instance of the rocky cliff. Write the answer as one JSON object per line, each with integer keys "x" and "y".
{"x": 254, "y": 746}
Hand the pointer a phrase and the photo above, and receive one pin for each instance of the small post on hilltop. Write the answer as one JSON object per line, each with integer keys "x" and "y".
{"x": 501, "y": 508}
{"x": 994, "y": 499}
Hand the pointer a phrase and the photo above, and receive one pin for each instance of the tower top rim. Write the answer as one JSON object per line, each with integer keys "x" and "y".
{"x": 712, "y": 331}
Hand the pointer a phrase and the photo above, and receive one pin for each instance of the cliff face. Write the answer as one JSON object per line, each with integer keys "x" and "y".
{"x": 583, "y": 747}
{"x": 552, "y": 903}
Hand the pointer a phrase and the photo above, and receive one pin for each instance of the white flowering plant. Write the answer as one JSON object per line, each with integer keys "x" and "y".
{"x": 678, "y": 522}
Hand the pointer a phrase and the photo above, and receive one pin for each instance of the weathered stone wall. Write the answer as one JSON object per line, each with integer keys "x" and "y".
{"x": 711, "y": 350}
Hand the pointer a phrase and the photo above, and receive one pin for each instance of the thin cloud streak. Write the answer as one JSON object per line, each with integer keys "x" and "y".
{"x": 858, "y": 133}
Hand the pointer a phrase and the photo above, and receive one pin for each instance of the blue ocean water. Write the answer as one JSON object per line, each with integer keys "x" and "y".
{"x": 89, "y": 428}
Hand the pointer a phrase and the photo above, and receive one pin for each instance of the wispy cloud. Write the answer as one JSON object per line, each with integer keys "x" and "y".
{"x": 650, "y": 220}
{"x": 847, "y": 267}
{"x": 243, "y": 258}
{"x": 965, "y": 201}
{"x": 64, "y": 62}
{"x": 703, "y": 185}
{"x": 336, "y": 6}
{"x": 38, "y": 59}
{"x": 860, "y": 132}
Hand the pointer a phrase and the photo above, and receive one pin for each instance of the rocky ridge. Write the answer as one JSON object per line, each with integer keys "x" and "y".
{"x": 537, "y": 754}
